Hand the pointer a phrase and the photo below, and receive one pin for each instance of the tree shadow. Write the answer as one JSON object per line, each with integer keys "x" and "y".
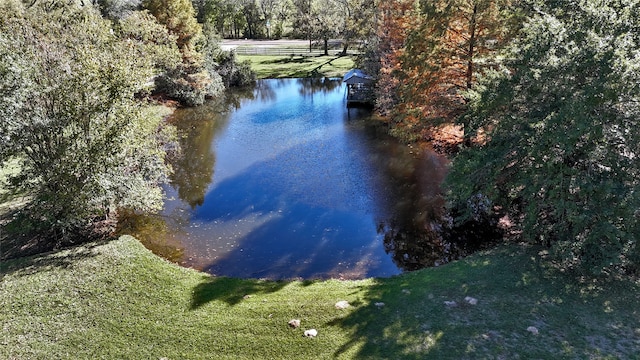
{"x": 57, "y": 259}
{"x": 230, "y": 290}
{"x": 290, "y": 60}
{"x": 515, "y": 289}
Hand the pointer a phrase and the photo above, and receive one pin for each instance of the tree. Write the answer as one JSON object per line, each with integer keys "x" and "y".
{"x": 189, "y": 82}
{"x": 560, "y": 158}
{"x": 179, "y": 17}
{"x": 227, "y": 16}
{"x": 151, "y": 40}
{"x": 253, "y": 19}
{"x": 117, "y": 9}
{"x": 454, "y": 41}
{"x": 318, "y": 20}
{"x": 68, "y": 112}
{"x": 397, "y": 18}
{"x": 275, "y": 13}
{"x": 360, "y": 22}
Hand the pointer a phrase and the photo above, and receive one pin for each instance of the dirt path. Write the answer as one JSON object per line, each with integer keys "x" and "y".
{"x": 229, "y": 44}
{"x": 232, "y": 44}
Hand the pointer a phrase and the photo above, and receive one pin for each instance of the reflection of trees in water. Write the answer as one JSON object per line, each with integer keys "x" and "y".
{"x": 265, "y": 90}
{"x": 424, "y": 241}
{"x": 415, "y": 236}
{"x": 311, "y": 86}
{"x": 193, "y": 168}
{"x": 153, "y": 232}
{"x": 234, "y": 98}
{"x": 412, "y": 248}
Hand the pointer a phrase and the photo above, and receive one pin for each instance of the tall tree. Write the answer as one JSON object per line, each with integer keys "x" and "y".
{"x": 255, "y": 23}
{"x": 179, "y": 17}
{"x": 67, "y": 112}
{"x": 191, "y": 81}
{"x": 360, "y": 22}
{"x": 396, "y": 20}
{"x": 456, "y": 40}
{"x": 226, "y": 16}
{"x": 560, "y": 157}
{"x": 318, "y": 20}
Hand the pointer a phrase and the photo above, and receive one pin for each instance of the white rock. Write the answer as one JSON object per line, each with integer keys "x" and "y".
{"x": 533, "y": 330}
{"x": 295, "y": 323}
{"x": 451, "y": 303}
{"x": 311, "y": 333}
{"x": 342, "y": 304}
{"x": 406, "y": 291}
{"x": 471, "y": 300}
{"x": 379, "y": 304}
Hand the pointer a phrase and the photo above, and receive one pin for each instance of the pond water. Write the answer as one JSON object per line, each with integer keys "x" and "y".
{"x": 287, "y": 182}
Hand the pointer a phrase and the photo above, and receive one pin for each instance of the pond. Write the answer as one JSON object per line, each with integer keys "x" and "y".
{"x": 287, "y": 182}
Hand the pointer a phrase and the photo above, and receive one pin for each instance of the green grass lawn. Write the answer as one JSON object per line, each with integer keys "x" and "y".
{"x": 116, "y": 300}
{"x": 273, "y": 67}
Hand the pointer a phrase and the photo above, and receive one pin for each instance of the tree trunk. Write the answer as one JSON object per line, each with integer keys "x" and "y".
{"x": 472, "y": 44}
{"x": 326, "y": 47}
{"x": 345, "y": 48}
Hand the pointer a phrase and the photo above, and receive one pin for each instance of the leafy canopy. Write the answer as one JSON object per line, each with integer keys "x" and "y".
{"x": 561, "y": 152}
{"x": 68, "y": 112}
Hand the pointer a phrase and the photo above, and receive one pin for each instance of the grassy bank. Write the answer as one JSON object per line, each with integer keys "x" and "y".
{"x": 273, "y": 67}
{"x": 119, "y": 301}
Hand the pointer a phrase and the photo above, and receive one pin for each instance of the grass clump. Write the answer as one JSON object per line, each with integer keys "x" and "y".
{"x": 273, "y": 67}
{"x": 117, "y": 300}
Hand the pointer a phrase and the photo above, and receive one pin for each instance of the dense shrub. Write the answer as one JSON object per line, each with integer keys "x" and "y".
{"x": 560, "y": 155}
{"x": 68, "y": 112}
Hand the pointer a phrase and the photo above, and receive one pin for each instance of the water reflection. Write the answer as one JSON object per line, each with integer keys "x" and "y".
{"x": 193, "y": 168}
{"x": 311, "y": 86}
{"x": 413, "y": 236}
{"x": 290, "y": 183}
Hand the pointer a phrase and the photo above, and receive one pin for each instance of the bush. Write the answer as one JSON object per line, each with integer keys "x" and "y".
{"x": 68, "y": 110}
{"x": 190, "y": 89}
{"x": 560, "y": 157}
{"x": 234, "y": 74}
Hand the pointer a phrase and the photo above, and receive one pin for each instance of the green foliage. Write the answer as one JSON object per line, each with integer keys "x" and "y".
{"x": 235, "y": 74}
{"x": 117, "y": 9}
{"x": 67, "y": 108}
{"x": 205, "y": 69}
{"x": 179, "y": 17}
{"x": 560, "y": 157}
{"x": 152, "y": 39}
{"x": 319, "y": 20}
{"x": 190, "y": 86}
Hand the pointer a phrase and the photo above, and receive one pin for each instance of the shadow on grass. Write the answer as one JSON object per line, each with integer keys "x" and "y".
{"x": 231, "y": 290}
{"x": 58, "y": 259}
{"x": 406, "y": 317}
{"x": 290, "y": 60}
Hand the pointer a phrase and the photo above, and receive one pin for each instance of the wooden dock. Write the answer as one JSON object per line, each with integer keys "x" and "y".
{"x": 360, "y": 87}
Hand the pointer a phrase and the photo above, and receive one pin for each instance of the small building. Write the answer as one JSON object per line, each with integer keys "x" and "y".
{"x": 360, "y": 87}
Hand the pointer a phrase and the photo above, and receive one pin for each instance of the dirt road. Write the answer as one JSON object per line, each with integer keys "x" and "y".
{"x": 232, "y": 44}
